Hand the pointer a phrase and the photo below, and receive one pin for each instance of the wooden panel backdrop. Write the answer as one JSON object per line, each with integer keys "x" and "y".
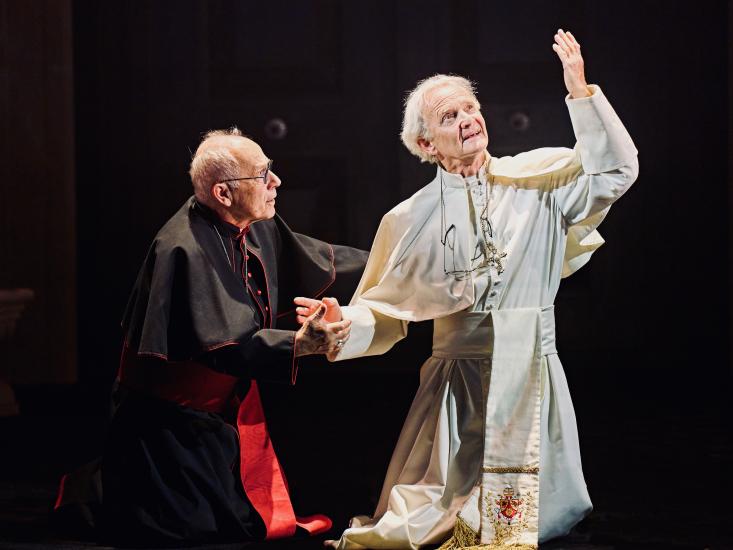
{"x": 37, "y": 195}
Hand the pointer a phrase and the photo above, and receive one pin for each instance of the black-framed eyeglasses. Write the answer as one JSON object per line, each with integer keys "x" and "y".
{"x": 485, "y": 253}
{"x": 263, "y": 177}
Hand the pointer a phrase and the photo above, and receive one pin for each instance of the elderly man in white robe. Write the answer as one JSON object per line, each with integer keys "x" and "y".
{"x": 488, "y": 454}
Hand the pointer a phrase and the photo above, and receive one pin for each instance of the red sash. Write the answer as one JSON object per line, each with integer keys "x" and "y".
{"x": 199, "y": 387}
{"x": 262, "y": 476}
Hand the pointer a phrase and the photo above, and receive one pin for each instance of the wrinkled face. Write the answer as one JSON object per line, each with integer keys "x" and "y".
{"x": 253, "y": 199}
{"x": 455, "y": 124}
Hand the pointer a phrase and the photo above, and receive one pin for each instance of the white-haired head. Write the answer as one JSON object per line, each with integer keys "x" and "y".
{"x": 214, "y": 161}
{"x": 413, "y": 121}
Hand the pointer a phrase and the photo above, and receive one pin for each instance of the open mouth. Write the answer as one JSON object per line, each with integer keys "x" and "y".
{"x": 466, "y": 137}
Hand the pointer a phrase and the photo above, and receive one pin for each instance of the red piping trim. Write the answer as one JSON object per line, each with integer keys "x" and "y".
{"x": 235, "y": 460}
{"x": 323, "y": 289}
{"x": 244, "y": 264}
{"x": 264, "y": 315}
{"x": 294, "y": 365}
{"x": 164, "y": 357}
{"x": 267, "y": 288}
{"x": 153, "y": 354}
{"x": 245, "y": 276}
{"x": 60, "y": 497}
{"x": 332, "y": 260}
{"x": 222, "y": 345}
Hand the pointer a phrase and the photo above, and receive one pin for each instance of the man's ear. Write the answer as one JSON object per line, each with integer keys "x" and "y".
{"x": 222, "y": 194}
{"x": 426, "y": 146}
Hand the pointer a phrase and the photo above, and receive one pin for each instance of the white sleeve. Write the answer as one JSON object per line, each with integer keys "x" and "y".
{"x": 372, "y": 333}
{"x": 607, "y": 155}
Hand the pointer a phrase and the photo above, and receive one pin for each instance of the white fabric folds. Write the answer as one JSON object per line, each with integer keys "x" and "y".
{"x": 508, "y": 494}
{"x": 488, "y": 454}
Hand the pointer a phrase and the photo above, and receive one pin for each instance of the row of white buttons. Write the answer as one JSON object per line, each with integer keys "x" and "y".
{"x": 494, "y": 282}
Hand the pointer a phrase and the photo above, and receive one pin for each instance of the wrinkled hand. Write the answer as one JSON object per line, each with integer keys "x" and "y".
{"x": 568, "y": 50}
{"x": 308, "y": 307}
{"x": 317, "y": 336}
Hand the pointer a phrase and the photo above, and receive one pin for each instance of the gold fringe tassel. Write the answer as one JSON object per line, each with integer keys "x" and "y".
{"x": 465, "y": 538}
{"x": 500, "y": 547}
{"x": 511, "y": 470}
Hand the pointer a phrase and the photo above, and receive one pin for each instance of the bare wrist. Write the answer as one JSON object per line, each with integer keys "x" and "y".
{"x": 580, "y": 92}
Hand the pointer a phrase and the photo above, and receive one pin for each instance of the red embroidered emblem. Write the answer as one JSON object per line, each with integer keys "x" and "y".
{"x": 509, "y": 505}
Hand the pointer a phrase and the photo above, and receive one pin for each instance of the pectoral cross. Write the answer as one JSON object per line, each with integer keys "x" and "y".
{"x": 494, "y": 257}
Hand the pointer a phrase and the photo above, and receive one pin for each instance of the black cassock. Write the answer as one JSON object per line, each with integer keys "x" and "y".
{"x": 184, "y": 458}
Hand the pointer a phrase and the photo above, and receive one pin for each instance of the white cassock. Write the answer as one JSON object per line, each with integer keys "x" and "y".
{"x": 489, "y": 451}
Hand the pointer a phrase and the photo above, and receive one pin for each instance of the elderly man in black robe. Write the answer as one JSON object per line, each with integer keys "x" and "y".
{"x": 188, "y": 457}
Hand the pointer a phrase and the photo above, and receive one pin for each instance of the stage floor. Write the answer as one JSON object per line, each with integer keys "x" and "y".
{"x": 657, "y": 463}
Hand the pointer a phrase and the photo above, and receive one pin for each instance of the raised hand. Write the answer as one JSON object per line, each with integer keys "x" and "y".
{"x": 568, "y": 50}
{"x": 308, "y": 306}
{"x": 317, "y": 336}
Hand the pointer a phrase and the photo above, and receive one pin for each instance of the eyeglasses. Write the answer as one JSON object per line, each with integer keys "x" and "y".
{"x": 264, "y": 177}
{"x": 485, "y": 253}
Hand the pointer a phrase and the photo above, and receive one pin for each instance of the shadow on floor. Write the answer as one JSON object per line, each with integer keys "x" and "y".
{"x": 657, "y": 456}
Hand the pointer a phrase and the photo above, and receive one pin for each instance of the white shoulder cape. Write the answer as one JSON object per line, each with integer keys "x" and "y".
{"x": 405, "y": 276}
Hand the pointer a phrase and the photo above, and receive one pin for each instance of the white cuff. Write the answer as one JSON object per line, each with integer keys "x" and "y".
{"x": 603, "y": 144}
{"x": 362, "y": 332}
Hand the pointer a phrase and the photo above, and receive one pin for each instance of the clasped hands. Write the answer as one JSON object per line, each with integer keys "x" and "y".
{"x": 323, "y": 329}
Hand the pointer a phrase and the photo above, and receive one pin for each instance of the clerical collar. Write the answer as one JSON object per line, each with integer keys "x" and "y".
{"x": 459, "y": 182}
{"x": 226, "y": 227}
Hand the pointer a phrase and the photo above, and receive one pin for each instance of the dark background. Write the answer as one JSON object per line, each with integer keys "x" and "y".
{"x": 101, "y": 104}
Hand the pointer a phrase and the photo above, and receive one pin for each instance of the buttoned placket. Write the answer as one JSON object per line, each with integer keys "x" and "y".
{"x": 253, "y": 275}
{"x": 482, "y": 191}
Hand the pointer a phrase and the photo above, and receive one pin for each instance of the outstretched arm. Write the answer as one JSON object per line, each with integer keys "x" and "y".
{"x": 606, "y": 152}
{"x": 375, "y": 333}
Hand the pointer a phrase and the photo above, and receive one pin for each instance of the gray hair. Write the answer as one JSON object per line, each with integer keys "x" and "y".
{"x": 413, "y": 122}
{"x": 212, "y": 164}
